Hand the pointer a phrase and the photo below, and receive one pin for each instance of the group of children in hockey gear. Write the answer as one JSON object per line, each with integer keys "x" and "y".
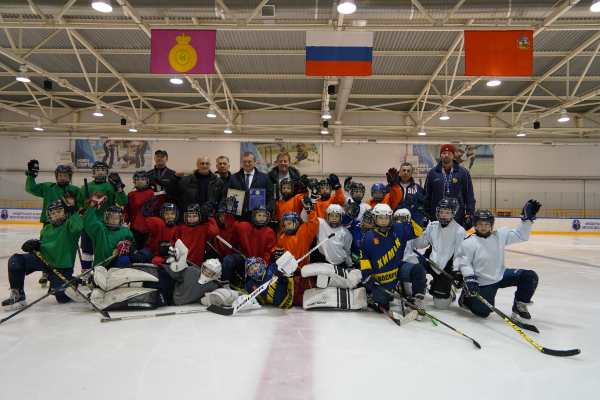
{"x": 366, "y": 248}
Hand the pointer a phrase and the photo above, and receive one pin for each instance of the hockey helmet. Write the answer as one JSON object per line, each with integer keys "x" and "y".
{"x": 378, "y": 192}
{"x": 141, "y": 181}
{"x": 324, "y": 189}
{"x": 63, "y": 169}
{"x": 402, "y": 215}
{"x": 114, "y": 217}
{"x": 332, "y": 210}
{"x": 292, "y": 225}
{"x": 357, "y": 192}
{"x": 451, "y": 205}
{"x": 210, "y": 270}
{"x": 286, "y": 188}
{"x": 367, "y": 224}
{"x": 483, "y": 216}
{"x": 192, "y": 215}
{"x": 255, "y": 267}
{"x": 55, "y": 212}
{"x": 169, "y": 213}
{"x": 100, "y": 171}
{"x": 382, "y": 213}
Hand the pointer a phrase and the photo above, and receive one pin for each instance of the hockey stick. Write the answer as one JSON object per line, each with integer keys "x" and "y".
{"x": 74, "y": 286}
{"x": 71, "y": 282}
{"x": 423, "y": 312}
{"x": 228, "y": 311}
{"x": 437, "y": 268}
{"x": 230, "y": 246}
{"x": 153, "y": 315}
{"x": 403, "y": 321}
{"x": 521, "y": 325}
{"x": 557, "y": 353}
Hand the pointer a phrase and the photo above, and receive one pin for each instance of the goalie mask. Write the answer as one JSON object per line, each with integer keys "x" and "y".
{"x": 169, "y": 213}
{"x": 378, "y": 192}
{"x": 333, "y": 215}
{"x": 211, "y": 270}
{"x": 290, "y": 223}
{"x": 114, "y": 218}
{"x": 367, "y": 224}
{"x": 286, "y": 188}
{"x": 192, "y": 215}
{"x": 100, "y": 171}
{"x": 255, "y": 267}
{"x": 483, "y": 221}
{"x": 324, "y": 190}
{"x": 357, "y": 192}
{"x": 382, "y": 213}
{"x": 402, "y": 215}
{"x": 260, "y": 216}
{"x": 56, "y": 214}
{"x": 140, "y": 180}
{"x": 63, "y": 175}
{"x": 445, "y": 210}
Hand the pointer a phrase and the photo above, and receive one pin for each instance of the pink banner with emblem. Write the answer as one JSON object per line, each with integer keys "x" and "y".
{"x": 182, "y": 51}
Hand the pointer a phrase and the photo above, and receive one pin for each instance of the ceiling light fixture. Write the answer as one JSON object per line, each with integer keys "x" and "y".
{"x": 38, "y": 127}
{"x": 444, "y": 116}
{"x": 102, "y": 6}
{"x": 346, "y": 7}
{"x": 23, "y": 77}
{"x": 211, "y": 112}
{"x": 176, "y": 80}
{"x": 563, "y": 116}
{"x": 493, "y": 81}
{"x": 326, "y": 114}
{"x": 133, "y": 128}
{"x": 228, "y": 128}
{"x": 324, "y": 127}
{"x": 422, "y": 130}
{"x": 98, "y": 111}
{"x": 521, "y": 133}
{"x": 595, "y": 7}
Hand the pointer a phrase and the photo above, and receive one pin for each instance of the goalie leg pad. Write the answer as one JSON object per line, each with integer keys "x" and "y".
{"x": 335, "y": 298}
{"x": 125, "y": 299}
{"x": 129, "y": 275}
{"x": 221, "y": 297}
{"x": 338, "y": 277}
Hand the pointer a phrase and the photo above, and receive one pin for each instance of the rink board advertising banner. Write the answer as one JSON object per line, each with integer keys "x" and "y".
{"x": 477, "y": 159}
{"x": 304, "y": 156}
{"x": 20, "y": 215}
{"x": 118, "y": 154}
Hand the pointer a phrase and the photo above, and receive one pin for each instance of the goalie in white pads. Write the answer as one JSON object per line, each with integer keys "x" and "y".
{"x": 336, "y": 251}
{"x": 335, "y": 288}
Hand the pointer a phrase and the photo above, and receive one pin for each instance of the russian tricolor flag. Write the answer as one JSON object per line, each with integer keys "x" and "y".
{"x": 339, "y": 53}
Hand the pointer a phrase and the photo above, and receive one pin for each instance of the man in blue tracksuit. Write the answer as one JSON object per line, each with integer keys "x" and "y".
{"x": 449, "y": 179}
{"x": 410, "y": 189}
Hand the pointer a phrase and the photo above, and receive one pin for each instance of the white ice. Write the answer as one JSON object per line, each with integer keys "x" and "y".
{"x": 54, "y": 351}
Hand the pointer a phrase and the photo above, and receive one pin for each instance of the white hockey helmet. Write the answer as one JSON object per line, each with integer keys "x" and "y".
{"x": 402, "y": 215}
{"x": 334, "y": 209}
{"x": 382, "y": 214}
{"x": 211, "y": 270}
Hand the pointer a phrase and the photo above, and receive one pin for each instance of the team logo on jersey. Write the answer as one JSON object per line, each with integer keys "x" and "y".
{"x": 4, "y": 215}
{"x": 454, "y": 180}
{"x": 375, "y": 240}
{"x": 576, "y": 224}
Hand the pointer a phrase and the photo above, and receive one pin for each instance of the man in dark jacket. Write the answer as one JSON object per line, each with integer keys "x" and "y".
{"x": 449, "y": 179}
{"x": 409, "y": 187}
{"x": 166, "y": 177}
{"x": 247, "y": 178}
{"x": 223, "y": 169}
{"x": 282, "y": 170}
{"x": 199, "y": 187}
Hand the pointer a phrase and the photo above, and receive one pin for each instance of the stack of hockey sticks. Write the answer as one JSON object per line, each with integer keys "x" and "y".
{"x": 515, "y": 324}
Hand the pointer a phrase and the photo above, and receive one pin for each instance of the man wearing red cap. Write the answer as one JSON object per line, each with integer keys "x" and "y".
{"x": 449, "y": 179}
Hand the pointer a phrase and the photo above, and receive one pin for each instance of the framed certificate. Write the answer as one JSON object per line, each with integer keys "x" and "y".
{"x": 239, "y": 195}
{"x": 257, "y": 197}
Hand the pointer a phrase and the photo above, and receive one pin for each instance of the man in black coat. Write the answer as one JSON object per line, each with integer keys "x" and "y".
{"x": 163, "y": 176}
{"x": 223, "y": 169}
{"x": 247, "y": 178}
{"x": 199, "y": 187}
{"x": 282, "y": 170}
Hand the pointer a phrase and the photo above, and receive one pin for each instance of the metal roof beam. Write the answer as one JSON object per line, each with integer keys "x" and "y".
{"x": 228, "y": 11}
{"x": 134, "y": 16}
{"x": 256, "y": 10}
{"x": 451, "y": 13}
{"x": 564, "y": 7}
{"x": 63, "y": 10}
{"x": 423, "y": 11}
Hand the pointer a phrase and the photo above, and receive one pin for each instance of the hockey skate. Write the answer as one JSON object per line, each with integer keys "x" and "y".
{"x": 417, "y": 302}
{"x": 43, "y": 280}
{"x": 520, "y": 312}
{"x": 15, "y": 301}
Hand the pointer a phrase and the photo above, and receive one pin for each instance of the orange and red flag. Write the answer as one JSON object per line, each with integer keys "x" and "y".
{"x": 499, "y": 53}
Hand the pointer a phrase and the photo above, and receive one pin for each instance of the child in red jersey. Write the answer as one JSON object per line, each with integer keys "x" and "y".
{"x": 194, "y": 233}
{"x": 163, "y": 229}
{"x": 137, "y": 199}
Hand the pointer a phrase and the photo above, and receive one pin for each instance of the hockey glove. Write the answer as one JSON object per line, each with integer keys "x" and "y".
{"x": 123, "y": 248}
{"x": 178, "y": 259}
{"x": 530, "y": 210}
{"x": 287, "y": 264}
{"x": 33, "y": 168}
{"x": 31, "y": 245}
{"x": 214, "y": 205}
{"x": 277, "y": 253}
{"x": 370, "y": 283}
{"x": 163, "y": 248}
{"x": 303, "y": 184}
{"x": 353, "y": 209}
{"x": 420, "y": 199}
{"x": 334, "y": 182}
{"x": 457, "y": 279}
{"x": 347, "y": 183}
{"x": 468, "y": 224}
{"x": 207, "y": 210}
{"x": 158, "y": 187}
{"x": 97, "y": 199}
{"x": 470, "y": 285}
{"x": 68, "y": 202}
{"x": 393, "y": 176}
{"x": 230, "y": 207}
{"x": 148, "y": 207}
{"x": 308, "y": 204}
{"x": 115, "y": 181}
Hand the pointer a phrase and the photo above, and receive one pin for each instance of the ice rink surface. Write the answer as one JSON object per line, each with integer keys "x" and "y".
{"x": 54, "y": 351}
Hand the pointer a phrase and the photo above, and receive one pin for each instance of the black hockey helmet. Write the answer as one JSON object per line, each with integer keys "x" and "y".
{"x": 141, "y": 174}
{"x": 109, "y": 222}
{"x": 483, "y": 215}
{"x": 289, "y": 194}
{"x": 103, "y": 168}
{"x": 56, "y": 214}
{"x": 169, "y": 207}
{"x": 257, "y": 210}
{"x": 221, "y": 213}
{"x": 324, "y": 184}
{"x": 368, "y": 221}
{"x": 193, "y": 209}
{"x": 357, "y": 192}
{"x": 63, "y": 169}
{"x": 447, "y": 203}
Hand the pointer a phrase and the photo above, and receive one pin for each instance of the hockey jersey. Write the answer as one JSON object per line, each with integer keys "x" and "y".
{"x": 195, "y": 237}
{"x": 363, "y": 206}
{"x": 280, "y": 293}
{"x": 444, "y": 242}
{"x": 391, "y": 199}
{"x": 337, "y": 249}
{"x": 59, "y": 243}
{"x": 49, "y": 191}
{"x": 105, "y": 240}
{"x": 135, "y": 201}
{"x": 299, "y": 244}
{"x": 230, "y": 237}
{"x": 294, "y": 204}
{"x": 157, "y": 230}
{"x": 320, "y": 206}
{"x": 253, "y": 241}
{"x": 381, "y": 253}
{"x": 112, "y": 197}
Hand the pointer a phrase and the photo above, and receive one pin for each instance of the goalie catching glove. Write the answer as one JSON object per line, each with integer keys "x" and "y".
{"x": 178, "y": 259}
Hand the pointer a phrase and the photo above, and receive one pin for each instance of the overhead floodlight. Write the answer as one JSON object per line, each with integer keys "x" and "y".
{"x": 346, "y": 7}
{"x": 493, "y": 81}
{"x": 324, "y": 127}
{"x": 521, "y": 133}
{"x": 98, "y": 111}
{"x": 326, "y": 114}
{"x": 133, "y": 128}
{"x": 444, "y": 116}
{"x": 23, "y": 77}
{"x": 211, "y": 112}
{"x": 228, "y": 128}
{"x": 102, "y": 6}
{"x": 176, "y": 80}
{"x": 422, "y": 130}
{"x": 595, "y": 7}
{"x": 563, "y": 116}
{"x": 38, "y": 127}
